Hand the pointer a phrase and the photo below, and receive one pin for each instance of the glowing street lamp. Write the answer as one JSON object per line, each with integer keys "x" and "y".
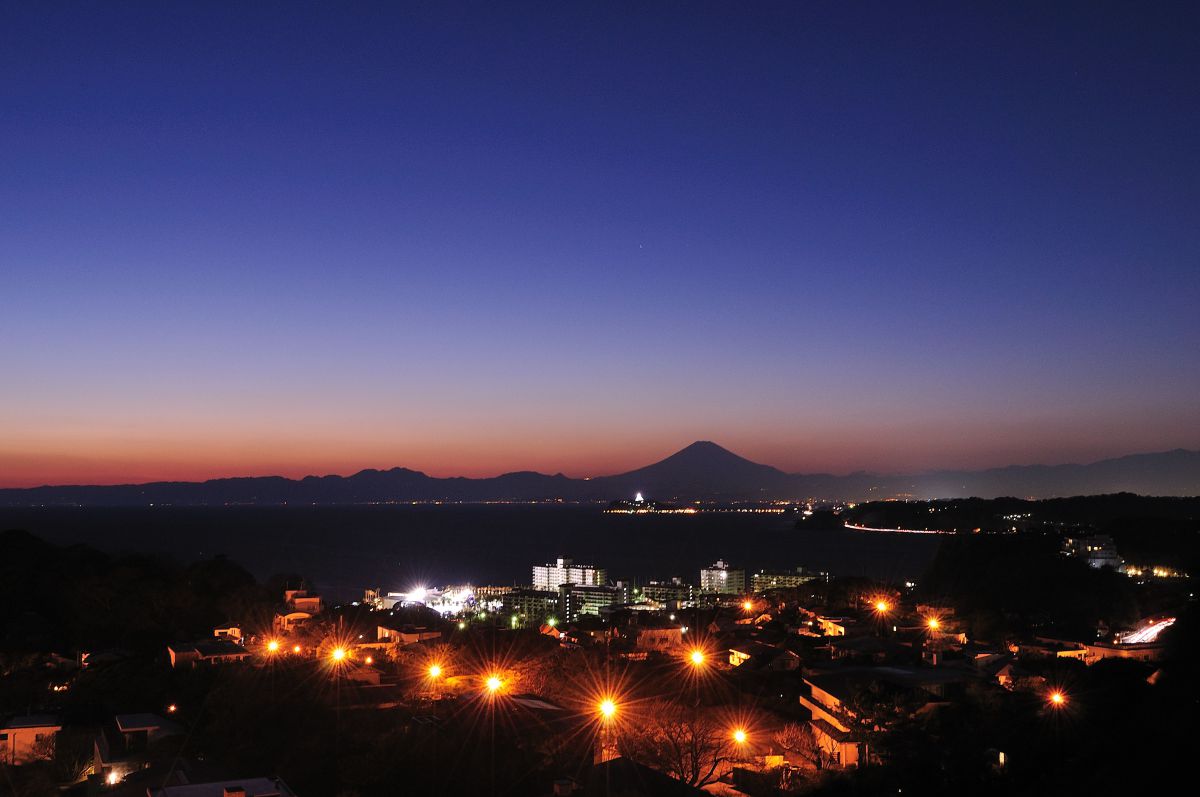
{"x": 273, "y": 646}
{"x": 493, "y": 684}
{"x": 607, "y": 708}
{"x": 295, "y": 648}
{"x": 435, "y": 671}
{"x": 338, "y": 655}
{"x": 739, "y": 735}
{"x": 1058, "y": 699}
{"x": 747, "y": 605}
{"x": 934, "y": 624}
{"x": 883, "y": 607}
{"x": 697, "y": 657}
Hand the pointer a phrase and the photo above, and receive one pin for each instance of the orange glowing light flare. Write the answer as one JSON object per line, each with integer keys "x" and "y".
{"x": 171, "y": 709}
{"x": 739, "y": 735}
{"x": 1058, "y": 699}
{"x": 494, "y": 683}
{"x": 882, "y": 607}
{"x": 295, "y": 648}
{"x": 338, "y": 654}
{"x": 934, "y": 623}
{"x": 747, "y": 605}
{"x": 697, "y": 657}
{"x": 370, "y": 660}
{"x": 273, "y": 646}
{"x": 608, "y": 708}
{"x": 435, "y": 671}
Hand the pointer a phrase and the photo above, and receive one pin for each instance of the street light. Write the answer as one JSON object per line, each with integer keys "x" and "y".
{"x": 493, "y": 684}
{"x": 607, "y": 708}
{"x": 435, "y": 671}
{"x": 934, "y": 624}
{"x": 747, "y": 605}
{"x": 1058, "y": 699}
{"x": 882, "y": 607}
{"x": 739, "y": 736}
{"x": 697, "y": 657}
{"x": 273, "y": 646}
{"x": 338, "y": 654}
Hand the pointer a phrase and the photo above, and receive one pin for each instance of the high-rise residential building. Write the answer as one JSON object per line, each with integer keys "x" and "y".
{"x": 531, "y": 606}
{"x": 673, "y": 594}
{"x": 549, "y": 577}
{"x": 720, "y": 578}
{"x": 577, "y": 599}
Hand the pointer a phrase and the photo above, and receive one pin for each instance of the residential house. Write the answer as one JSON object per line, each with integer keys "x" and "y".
{"x": 27, "y": 739}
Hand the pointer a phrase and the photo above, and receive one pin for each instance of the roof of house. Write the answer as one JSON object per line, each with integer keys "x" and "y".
{"x": 254, "y": 787}
{"x": 621, "y": 777}
{"x": 140, "y": 722}
{"x": 32, "y": 721}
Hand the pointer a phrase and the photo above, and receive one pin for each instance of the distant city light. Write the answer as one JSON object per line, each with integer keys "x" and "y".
{"x": 552, "y": 622}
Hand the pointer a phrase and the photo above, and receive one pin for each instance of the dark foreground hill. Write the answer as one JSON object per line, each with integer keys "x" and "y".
{"x": 702, "y": 471}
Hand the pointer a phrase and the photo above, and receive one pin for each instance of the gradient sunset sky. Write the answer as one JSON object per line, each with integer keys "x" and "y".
{"x": 247, "y": 238}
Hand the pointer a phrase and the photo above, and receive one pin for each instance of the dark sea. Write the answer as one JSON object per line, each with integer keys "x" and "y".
{"x": 343, "y": 550}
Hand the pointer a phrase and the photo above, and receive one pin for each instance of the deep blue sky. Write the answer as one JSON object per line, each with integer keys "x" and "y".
{"x": 248, "y": 238}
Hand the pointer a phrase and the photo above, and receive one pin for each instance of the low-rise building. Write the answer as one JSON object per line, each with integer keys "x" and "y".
{"x": 209, "y": 651}
{"x": 131, "y": 742}
{"x": 764, "y": 580}
{"x": 27, "y": 739}
{"x": 1096, "y": 551}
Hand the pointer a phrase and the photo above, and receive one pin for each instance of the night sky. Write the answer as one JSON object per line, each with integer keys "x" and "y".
{"x": 245, "y": 238}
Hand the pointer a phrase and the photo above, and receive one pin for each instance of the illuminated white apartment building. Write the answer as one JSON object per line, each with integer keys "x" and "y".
{"x": 719, "y": 577}
{"x": 550, "y": 577}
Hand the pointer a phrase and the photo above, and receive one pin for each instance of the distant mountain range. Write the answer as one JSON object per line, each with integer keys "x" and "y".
{"x": 702, "y": 471}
